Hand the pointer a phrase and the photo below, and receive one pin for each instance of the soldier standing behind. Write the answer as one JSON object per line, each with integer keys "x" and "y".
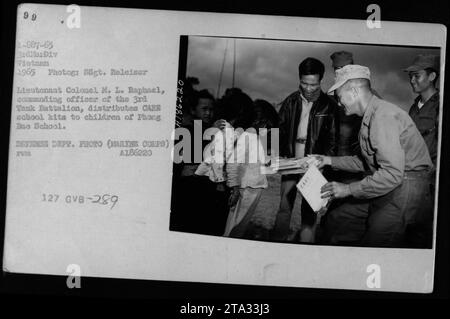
{"x": 423, "y": 74}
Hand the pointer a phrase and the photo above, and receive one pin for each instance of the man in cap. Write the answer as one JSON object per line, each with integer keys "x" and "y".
{"x": 307, "y": 126}
{"x": 423, "y": 74}
{"x": 348, "y": 124}
{"x": 343, "y": 223}
{"x": 392, "y": 148}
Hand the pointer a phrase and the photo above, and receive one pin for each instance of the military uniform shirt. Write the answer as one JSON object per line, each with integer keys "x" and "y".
{"x": 390, "y": 146}
{"x": 426, "y": 119}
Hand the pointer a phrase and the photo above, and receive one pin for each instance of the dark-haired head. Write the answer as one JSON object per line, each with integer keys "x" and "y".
{"x": 265, "y": 115}
{"x": 311, "y": 73}
{"x": 311, "y": 66}
{"x": 238, "y": 108}
{"x": 203, "y": 106}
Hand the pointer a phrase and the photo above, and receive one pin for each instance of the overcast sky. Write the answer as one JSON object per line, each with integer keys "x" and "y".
{"x": 268, "y": 69}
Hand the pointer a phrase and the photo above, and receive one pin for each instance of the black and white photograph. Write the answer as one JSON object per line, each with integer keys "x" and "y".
{"x": 217, "y": 153}
{"x": 367, "y": 114}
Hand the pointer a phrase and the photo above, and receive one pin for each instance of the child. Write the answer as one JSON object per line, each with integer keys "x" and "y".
{"x": 193, "y": 195}
{"x": 237, "y": 113}
{"x": 244, "y": 175}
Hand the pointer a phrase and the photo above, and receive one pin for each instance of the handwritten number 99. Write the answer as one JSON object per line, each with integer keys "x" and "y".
{"x": 26, "y": 16}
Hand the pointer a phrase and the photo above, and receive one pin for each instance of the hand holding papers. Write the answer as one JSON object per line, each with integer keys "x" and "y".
{"x": 287, "y": 166}
{"x": 310, "y": 186}
{"x": 319, "y": 160}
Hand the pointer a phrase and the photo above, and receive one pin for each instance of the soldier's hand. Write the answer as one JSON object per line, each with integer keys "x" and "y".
{"x": 335, "y": 190}
{"x": 321, "y": 160}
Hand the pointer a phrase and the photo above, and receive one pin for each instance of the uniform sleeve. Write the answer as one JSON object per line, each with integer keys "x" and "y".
{"x": 390, "y": 158}
{"x": 348, "y": 163}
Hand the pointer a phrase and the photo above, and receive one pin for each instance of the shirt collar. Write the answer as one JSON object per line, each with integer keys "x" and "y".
{"x": 370, "y": 109}
{"x": 433, "y": 98}
{"x": 303, "y": 99}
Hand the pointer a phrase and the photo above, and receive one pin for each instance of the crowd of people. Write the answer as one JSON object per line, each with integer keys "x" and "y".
{"x": 379, "y": 160}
